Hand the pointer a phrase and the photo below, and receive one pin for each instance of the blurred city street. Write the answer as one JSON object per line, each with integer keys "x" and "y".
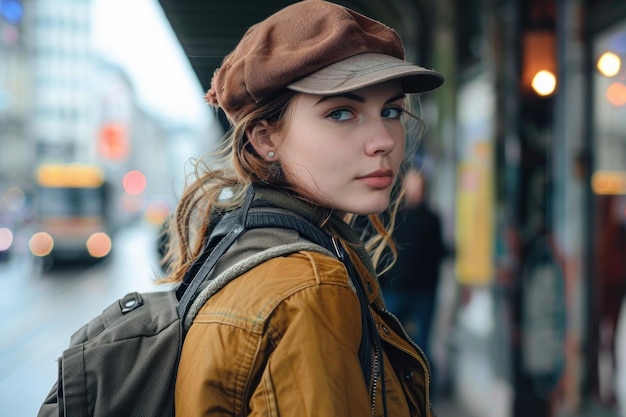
{"x": 40, "y": 309}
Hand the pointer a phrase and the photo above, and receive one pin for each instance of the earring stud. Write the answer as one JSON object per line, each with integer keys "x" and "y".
{"x": 271, "y": 154}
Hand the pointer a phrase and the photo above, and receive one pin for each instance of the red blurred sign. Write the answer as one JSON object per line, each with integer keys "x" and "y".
{"x": 113, "y": 143}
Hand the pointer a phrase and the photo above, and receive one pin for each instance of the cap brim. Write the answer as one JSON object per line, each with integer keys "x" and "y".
{"x": 367, "y": 69}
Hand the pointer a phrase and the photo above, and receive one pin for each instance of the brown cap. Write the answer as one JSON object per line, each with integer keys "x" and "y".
{"x": 314, "y": 47}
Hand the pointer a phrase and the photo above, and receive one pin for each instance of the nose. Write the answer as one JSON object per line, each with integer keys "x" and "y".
{"x": 382, "y": 138}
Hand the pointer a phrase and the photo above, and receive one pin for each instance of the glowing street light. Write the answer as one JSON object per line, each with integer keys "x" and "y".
{"x": 544, "y": 83}
{"x": 609, "y": 64}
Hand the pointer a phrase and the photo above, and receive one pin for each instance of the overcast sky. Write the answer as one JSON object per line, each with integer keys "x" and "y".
{"x": 136, "y": 35}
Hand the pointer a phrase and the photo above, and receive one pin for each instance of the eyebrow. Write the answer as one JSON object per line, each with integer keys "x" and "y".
{"x": 396, "y": 97}
{"x": 352, "y": 96}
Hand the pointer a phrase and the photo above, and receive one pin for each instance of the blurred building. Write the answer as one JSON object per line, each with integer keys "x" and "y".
{"x": 63, "y": 103}
{"x": 62, "y": 107}
{"x": 15, "y": 90}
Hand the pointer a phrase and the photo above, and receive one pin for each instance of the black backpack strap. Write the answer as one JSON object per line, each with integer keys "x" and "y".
{"x": 219, "y": 229}
{"x": 189, "y": 290}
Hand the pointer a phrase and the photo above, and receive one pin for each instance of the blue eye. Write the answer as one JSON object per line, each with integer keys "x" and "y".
{"x": 392, "y": 112}
{"x": 341, "y": 115}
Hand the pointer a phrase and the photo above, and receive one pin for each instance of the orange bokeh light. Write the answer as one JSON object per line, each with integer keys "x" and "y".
{"x": 41, "y": 244}
{"x": 616, "y": 94}
{"x": 99, "y": 245}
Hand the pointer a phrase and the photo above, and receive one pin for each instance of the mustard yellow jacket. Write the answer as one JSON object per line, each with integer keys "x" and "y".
{"x": 283, "y": 339}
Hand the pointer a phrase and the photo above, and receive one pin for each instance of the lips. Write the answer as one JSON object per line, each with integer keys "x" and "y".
{"x": 378, "y": 179}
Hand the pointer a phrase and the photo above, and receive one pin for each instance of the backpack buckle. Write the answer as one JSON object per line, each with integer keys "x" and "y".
{"x": 130, "y": 302}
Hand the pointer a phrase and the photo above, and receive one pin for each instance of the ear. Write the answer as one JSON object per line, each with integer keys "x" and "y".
{"x": 263, "y": 140}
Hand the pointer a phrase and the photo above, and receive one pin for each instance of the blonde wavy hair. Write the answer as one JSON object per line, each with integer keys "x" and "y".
{"x": 219, "y": 179}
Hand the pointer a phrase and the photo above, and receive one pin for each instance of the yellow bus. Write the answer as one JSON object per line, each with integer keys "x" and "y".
{"x": 72, "y": 212}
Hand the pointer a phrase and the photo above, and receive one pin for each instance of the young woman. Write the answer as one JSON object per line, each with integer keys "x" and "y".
{"x": 317, "y": 98}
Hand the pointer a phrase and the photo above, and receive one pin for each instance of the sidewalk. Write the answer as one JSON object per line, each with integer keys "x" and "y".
{"x": 472, "y": 351}
{"x": 451, "y": 408}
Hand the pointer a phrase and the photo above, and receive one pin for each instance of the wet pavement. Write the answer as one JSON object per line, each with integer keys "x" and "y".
{"x": 472, "y": 351}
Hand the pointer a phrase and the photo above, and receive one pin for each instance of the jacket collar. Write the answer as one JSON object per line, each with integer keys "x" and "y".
{"x": 331, "y": 224}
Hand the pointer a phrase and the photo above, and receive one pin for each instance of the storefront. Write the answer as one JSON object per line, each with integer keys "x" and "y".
{"x": 607, "y": 269}
{"x": 548, "y": 237}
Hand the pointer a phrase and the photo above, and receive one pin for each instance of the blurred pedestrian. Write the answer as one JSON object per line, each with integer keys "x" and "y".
{"x": 317, "y": 95}
{"x": 410, "y": 289}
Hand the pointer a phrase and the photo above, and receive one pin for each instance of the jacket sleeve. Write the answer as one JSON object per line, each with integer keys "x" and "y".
{"x": 314, "y": 369}
{"x": 281, "y": 340}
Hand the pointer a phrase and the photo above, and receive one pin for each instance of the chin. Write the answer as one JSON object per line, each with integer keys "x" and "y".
{"x": 362, "y": 203}
{"x": 365, "y": 210}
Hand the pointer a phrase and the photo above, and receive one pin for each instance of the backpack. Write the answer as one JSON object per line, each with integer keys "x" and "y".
{"x": 124, "y": 361}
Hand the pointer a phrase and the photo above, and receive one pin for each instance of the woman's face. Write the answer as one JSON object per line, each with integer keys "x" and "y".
{"x": 345, "y": 151}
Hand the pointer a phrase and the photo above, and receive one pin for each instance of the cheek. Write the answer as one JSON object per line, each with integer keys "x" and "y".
{"x": 399, "y": 151}
{"x": 317, "y": 165}
{"x": 301, "y": 150}
{"x": 300, "y": 155}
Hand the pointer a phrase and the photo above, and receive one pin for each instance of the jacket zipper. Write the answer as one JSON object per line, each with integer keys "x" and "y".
{"x": 376, "y": 359}
{"x": 376, "y": 353}
{"x": 375, "y": 372}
